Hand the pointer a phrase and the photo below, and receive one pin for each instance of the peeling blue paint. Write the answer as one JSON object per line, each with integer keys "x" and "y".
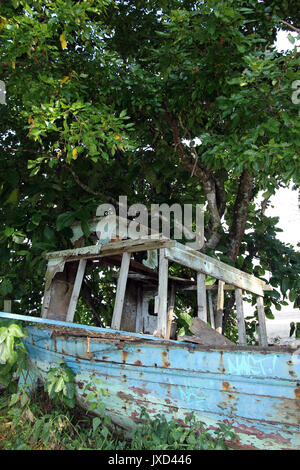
{"x": 257, "y": 391}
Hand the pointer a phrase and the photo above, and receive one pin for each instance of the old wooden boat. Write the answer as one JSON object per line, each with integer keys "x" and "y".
{"x": 254, "y": 388}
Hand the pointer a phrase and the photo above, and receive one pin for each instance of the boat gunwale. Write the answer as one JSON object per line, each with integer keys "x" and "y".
{"x": 110, "y": 336}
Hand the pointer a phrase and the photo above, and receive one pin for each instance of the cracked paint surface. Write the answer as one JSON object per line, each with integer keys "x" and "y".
{"x": 253, "y": 390}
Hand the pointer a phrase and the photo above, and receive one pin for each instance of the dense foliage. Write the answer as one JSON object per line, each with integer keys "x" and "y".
{"x": 170, "y": 101}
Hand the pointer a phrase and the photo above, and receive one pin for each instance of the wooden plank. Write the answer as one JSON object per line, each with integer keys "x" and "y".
{"x": 220, "y": 307}
{"x": 54, "y": 266}
{"x": 262, "y": 330}
{"x": 205, "y": 335}
{"x": 7, "y": 306}
{"x": 46, "y": 302}
{"x": 162, "y": 320}
{"x": 171, "y": 305}
{"x": 120, "y": 294}
{"x": 201, "y": 297}
{"x": 240, "y": 317}
{"x": 207, "y": 265}
{"x": 193, "y": 286}
{"x": 111, "y": 249}
{"x": 211, "y": 310}
{"x": 76, "y": 290}
{"x": 156, "y": 304}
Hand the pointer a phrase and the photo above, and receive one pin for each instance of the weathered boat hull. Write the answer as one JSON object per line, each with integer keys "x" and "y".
{"x": 257, "y": 391}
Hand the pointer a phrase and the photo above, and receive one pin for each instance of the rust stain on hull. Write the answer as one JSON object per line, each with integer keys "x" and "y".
{"x": 226, "y": 386}
{"x": 138, "y": 363}
{"x": 165, "y": 363}
{"x": 297, "y": 393}
{"x": 124, "y": 356}
{"x": 139, "y": 391}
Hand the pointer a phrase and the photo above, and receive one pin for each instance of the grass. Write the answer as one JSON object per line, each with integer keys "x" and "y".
{"x": 40, "y": 423}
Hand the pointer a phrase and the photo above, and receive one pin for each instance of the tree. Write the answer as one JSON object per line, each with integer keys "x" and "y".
{"x": 178, "y": 101}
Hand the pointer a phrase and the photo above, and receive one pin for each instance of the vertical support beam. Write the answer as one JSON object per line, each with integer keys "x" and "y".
{"x": 120, "y": 294}
{"x": 240, "y": 317}
{"x": 54, "y": 266}
{"x": 171, "y": 306}
{"x": 262, "y": 330}
{"x": 139, "y": 324}
{"x": 211, "y": 310}
{"x": 46, "y": 301}
{"x": 220, "y": 307}
{"x": 76, "y": 290}
{"x": 162, "y": 320}
{"x": 7, "y": 306}
{"x": 201, "y": 297}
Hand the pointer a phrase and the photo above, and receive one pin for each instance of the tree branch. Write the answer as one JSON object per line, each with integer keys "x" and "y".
{"x": 240, "y": 214}
{"x": 207, "y": 179}
{"x": 87, "y": 188}
{"x": 290, "y": 26}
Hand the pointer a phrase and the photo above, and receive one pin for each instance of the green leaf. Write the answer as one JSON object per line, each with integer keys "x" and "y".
{"x": 6, "y": 287}
{"x": 291, "y": 38}
{"x": 15, "y": 331}
{"x": 65, "y": 220}
{"x": 49, "y": 234}
{"x": 96, "y": 423}
{"x": 59, "y": 385}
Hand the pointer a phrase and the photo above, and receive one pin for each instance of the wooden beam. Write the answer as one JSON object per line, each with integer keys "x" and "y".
{"x": 171, "y": 305}
{"x": 111, "y": 249}
{"x": 54, "y": 266}
{"x": 205, "y": 335}
{"x": 162, "y": 320}
{"x": 7, "y": 306}
{"x": 201, "y": 297}
{"x": 240, "y": 317}
{"x": 205, "y": 264}
{"x": 120, "y": 294}
{"x": 229, "y": 287}
{"x": 262, "y": 330}
{"x": 211, "y": 310}
{"x": 220, "y": 307}
{"x": 139, "y": 323}
{"x": 76, "y": 290}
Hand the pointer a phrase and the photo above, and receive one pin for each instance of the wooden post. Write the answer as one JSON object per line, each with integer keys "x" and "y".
{"x": 139, "y": 324}
{"x": 7, "y": 306}
{"x": 46, "y": 302}
{"x": 171, "y": 306}
{"x": 201, "y": 297}
{"x": 162, "y": 320}
{"x": 120, "y": 294}
{"x": 262, "y": 330}
{"x": 76, "y": 290}
{"x": 54, "y": 267}
{"x": 211, "y": 310}
{"x": 220, "y": 306}
{"x": 240, "y": 317}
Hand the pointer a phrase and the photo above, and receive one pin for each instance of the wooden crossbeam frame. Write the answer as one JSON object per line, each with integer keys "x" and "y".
{"x": 111, "y": 249}
{"x": 170, "y": 250}
{"x": 207, "y": 265}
